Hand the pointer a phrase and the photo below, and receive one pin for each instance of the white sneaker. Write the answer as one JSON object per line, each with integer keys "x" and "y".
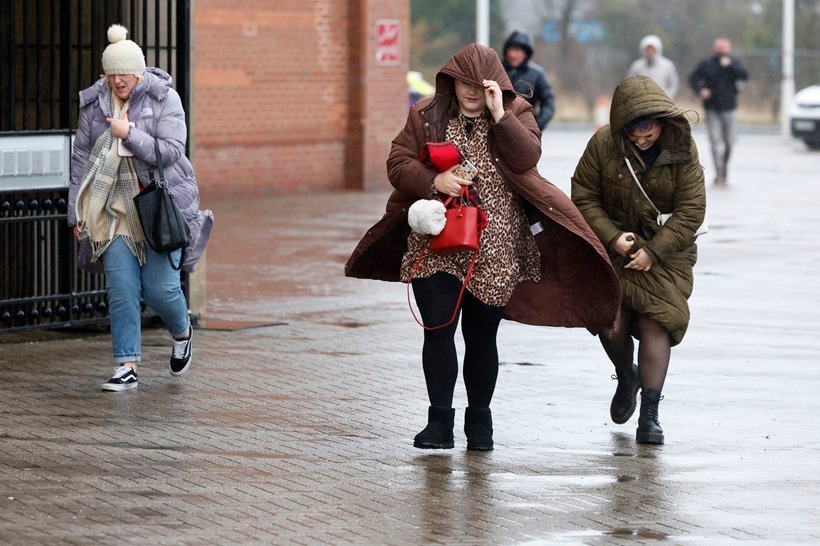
{"x": 124, "y": 378}
{"x": 181, "y": 355}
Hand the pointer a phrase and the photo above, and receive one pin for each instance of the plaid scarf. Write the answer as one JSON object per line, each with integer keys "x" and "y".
{"x": 105, "y": 205}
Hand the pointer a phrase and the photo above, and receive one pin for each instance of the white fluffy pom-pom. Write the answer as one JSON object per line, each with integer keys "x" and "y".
{"x": 426, "y": 216}
{"x": 117, "y": 33}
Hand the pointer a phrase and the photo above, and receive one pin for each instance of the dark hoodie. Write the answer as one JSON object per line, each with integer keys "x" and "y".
{"x": 529, "y": 79}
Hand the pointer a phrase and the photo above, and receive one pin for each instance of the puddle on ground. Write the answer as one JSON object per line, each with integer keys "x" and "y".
{"x": 570, "y": 480}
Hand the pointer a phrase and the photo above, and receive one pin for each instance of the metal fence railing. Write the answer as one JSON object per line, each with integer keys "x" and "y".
{"x": 49, "y": 51}
{"x": 39, "y": 285}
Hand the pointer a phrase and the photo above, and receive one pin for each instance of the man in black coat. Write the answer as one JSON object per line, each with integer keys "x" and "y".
{"x": 527, "y": 77}
{"x": 717, "y": 80}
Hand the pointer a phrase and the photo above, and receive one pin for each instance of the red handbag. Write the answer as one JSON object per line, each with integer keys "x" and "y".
{"x": 462, "y": 231}
{"x": 465, "y": 220}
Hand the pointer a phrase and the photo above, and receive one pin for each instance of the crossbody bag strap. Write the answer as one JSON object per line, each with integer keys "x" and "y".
{"x": 640, "y": 187}
{"x": 460, "y": 294}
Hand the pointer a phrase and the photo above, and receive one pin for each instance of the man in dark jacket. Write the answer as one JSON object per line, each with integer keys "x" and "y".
{"x": 716, "y": 80}
{"x": 527, "y": 77}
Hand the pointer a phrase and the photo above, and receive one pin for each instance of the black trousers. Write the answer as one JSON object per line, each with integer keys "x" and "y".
{"x": 436, "y": 298}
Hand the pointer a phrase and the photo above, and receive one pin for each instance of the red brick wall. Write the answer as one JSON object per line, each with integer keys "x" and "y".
{"x": 288, "y": 95}
{"x": 386, "y": 96}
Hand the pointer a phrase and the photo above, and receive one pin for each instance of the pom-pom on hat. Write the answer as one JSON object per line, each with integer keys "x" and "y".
{"x": 122, "y": 56}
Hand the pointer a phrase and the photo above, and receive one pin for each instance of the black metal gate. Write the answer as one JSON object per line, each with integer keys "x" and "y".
{"x": 49, "y": 51}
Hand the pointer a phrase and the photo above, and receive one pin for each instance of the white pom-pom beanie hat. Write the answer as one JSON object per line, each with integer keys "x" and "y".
{"x": 122, "y": 56}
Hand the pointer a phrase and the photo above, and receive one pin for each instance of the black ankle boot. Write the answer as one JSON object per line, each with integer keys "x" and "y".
{"x": 438, "y": 434}
{"x": 478, "y": 426}
{"x": 625, "y": 401}
{"x": 649, "y": 428}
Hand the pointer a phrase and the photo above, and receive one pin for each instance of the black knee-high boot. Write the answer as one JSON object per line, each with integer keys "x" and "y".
{"x": 438, "y": 434}
{"x": 649, "y": 428}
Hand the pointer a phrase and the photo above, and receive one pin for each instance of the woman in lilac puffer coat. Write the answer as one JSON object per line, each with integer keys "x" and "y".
{"x": 128, "y": 111}
{"x": 156, "y": 111}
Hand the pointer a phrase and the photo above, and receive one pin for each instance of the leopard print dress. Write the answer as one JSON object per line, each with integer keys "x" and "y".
{"x": 507, "y": 252}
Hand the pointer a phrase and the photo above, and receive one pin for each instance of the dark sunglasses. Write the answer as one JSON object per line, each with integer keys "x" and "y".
{"x": 642, "y": 124}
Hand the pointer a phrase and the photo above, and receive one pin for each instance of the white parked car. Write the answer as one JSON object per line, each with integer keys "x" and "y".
{"x": 804, "y": 115}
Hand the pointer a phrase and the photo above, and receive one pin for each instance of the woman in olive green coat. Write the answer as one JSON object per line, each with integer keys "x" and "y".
{"x": 648, "y": 133}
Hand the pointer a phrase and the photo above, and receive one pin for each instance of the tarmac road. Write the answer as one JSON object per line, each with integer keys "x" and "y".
{"x": 295, "y": 423}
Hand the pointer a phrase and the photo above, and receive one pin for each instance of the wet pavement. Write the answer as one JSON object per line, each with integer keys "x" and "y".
{"x": 295, "y": 423}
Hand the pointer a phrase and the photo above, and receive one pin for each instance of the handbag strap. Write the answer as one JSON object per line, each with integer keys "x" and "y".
{"x": 465, "y": 199}
{"x": 640, "y": 187}
{"x": 460, "y": 294}
{"x": 158, "y": 157}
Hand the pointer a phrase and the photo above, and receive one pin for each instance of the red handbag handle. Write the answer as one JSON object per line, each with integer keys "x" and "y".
{"x": 468, "y": 198}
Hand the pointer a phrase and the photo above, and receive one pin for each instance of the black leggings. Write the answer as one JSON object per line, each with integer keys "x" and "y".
{"x": 436, "y": 298}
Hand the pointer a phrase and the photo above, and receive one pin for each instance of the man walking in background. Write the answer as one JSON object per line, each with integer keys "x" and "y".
{"x": 717, "y": 80}
{"x": 653, "y": 64}
{"x": 529, "y": 79}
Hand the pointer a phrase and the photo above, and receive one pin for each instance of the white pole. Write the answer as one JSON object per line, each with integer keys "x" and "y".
{"x": 787, "y": 85}
{"x": 482, "y": 22}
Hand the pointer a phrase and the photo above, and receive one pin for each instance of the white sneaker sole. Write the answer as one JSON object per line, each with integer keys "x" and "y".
{"x": 118, "y": 388}
{"x": 190, "y": 357}
{"x": 183, "y": 370}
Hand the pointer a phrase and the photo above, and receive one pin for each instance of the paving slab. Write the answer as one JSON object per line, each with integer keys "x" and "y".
{"x": 295, "y": 422}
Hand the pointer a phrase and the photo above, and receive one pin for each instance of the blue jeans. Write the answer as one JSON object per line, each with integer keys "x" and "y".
{"x": 156, "y": 283}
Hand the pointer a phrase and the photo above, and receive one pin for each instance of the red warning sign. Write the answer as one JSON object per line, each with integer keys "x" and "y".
{"x": 387, "y": 41}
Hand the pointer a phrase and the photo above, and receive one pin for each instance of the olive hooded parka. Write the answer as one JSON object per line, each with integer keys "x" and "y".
{"x": 611, "y": 202}
{"x": 578, "y": 287}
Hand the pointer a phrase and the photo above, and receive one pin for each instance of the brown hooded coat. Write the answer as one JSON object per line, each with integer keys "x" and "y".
{"x": 578, "y": 287}
{"x": 611, "y": 202}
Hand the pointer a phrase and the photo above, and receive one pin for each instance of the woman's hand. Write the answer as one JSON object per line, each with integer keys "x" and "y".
{"x": 119, "y": 127}
{"x": 641, "y": 261}
{"x": 625, "y": 243}
{"x": 448, "y": 183}
{"x": 495, "y": 100}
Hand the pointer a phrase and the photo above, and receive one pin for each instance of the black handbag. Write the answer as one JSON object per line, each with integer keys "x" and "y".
{"x": 162, "y": 222}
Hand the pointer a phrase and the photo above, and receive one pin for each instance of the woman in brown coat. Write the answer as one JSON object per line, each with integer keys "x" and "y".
{"x": 561, "y": 276}
{"x": 648, "y": 133}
